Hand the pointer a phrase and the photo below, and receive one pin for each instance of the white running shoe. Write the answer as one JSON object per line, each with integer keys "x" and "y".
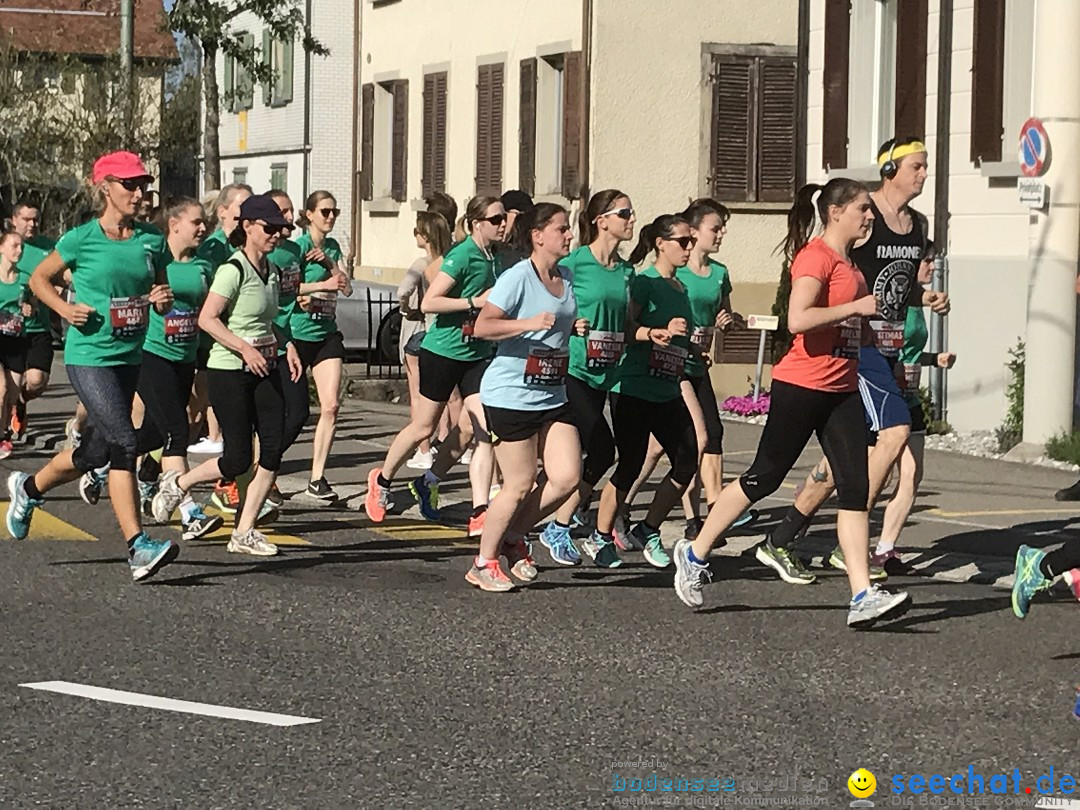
{"x": 251, "y": 542}
{"x": 205, "y": 447}
{"x": 421, "y": 461}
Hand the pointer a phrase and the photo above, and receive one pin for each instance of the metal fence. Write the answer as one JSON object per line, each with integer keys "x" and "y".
{"x": 384, "y": 329}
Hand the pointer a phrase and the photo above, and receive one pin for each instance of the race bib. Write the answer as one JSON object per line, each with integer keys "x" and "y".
{"x": 323, "y": 307}
{"x": 850, "y": 339}
{"x": 290, "y": 281}
{"x": 912, "y": 378}
{"x": 468, "y": 326}
{"x": 129, "y": 316}
{"x": 181, "y": 327}
{"x": 11, "y": 324}
{"x": 702, "y": 337}
{"x": 667, "y": 362}
{"x": 547, "y": 367}
{"x": 888, "y": 337}
{"x": 267, "y": 347}
{"x": 603, "y": 349}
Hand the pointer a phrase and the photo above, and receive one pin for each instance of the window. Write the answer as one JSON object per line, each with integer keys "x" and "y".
{"x": 279, "y": 177}
{"x": 239, "y": 175}
{"x": 551, "y": 120}
{"x": 489, "y": 129}
{"x": 384, "y": 140}
{"x": 910, "y": 91}
{"x": 834, "y": 135}
{"x": 434, "y": 155}
{"x": 752, "y": 148}
{"x": 1001, "y": 75}
{"x": 872, "y": 79}
{"x": 277, "y": 54}
{"x": 239, "y": 89}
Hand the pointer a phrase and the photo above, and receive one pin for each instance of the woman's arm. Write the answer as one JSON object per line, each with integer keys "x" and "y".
{"x": 804, "y": 316}
{"x": 436, "y": 300}
{"x": 636, "y": 333}
{"x": 210, "y": 322}
{"x": 49, "y": 273}
{"x": 494, "y": 324}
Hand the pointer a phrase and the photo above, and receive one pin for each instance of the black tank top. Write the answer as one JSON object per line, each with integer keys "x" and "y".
{"x": 890, "y": 263}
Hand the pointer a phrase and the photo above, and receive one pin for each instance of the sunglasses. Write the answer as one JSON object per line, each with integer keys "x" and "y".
{"x": 496, "y": 220}
{"x": 132, "y": 183}
{"x": 684, "y": 242}
{"x": 326, "y": 212}
{"x": 621, "y": 213}
{"x": 273, "y": 230}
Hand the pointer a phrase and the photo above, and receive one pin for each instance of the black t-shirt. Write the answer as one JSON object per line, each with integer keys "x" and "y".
{"x": 890, "y": 263}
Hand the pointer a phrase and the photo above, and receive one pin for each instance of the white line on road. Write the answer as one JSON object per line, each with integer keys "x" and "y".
{"x": 169, "y": 704}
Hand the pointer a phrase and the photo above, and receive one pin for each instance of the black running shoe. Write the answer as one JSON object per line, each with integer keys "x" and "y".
{"x": 321, "y": 490}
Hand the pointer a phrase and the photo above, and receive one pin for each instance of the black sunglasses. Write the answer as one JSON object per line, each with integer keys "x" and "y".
{"x": 684, "y": 241}
{"x": 271, "y": 230}
{"x": 326, "y": 212}
{"x": 621, "y": 213}
{"x": 496, "y": 220}
{"x": 133, "y": 183}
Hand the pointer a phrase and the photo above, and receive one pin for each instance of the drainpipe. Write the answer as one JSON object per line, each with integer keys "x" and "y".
{"x": 803, "y": 68}
{"x": 586, "y": 98}
{"x": 356, "y": 125}
{"x": 1054, "y": 233}
{"x": 939, "y": 282}
{"x": 307, "y": 109}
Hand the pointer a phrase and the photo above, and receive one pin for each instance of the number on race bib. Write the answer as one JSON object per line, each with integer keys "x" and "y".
{"x": 181, "y": 327}
{"x": 129, "y": 316}
{"x": 547, "y": 367}
{"x": 667, "y": 362}
{"x": 603, "y": 349}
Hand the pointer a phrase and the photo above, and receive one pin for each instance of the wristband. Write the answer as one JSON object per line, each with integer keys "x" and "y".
{"x": 648, "y": 334}
{"x": 471, "y": 304}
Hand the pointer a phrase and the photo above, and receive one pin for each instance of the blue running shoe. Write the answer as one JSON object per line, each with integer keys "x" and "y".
{"x": 603, "y": 551}
{"x": 650, "y": 542}
{"x": 560, "y": 545}
{"x": 1027, "y": 579}
{"x": 745, "y": 519}
{"x": 146, "y": 557}
{"x": 20, "y": 507}
{"x": 427, "y": 495}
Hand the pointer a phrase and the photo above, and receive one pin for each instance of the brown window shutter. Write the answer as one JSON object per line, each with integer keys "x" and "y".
{"x": 438, "y": 167}
{"x": 778, "y": 83}
{"x": 834, "y": 135}
{"x": 495, "y": 151}
{"x": 527, "y": 152}
{"x": 987, "y": 81}
{"x": 734, "y": 122}
{"x": 910, "y": 115}
{"x": 489, "y": 129}
{"x": 428, "y": 149}
{"x": 738, "y": 346}
{"x": 367, "y": 141}
{"x": 399, "y": 152}
{"x": 573, "y": 116}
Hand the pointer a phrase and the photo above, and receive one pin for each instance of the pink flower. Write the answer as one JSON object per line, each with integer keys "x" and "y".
{"x": 746, "y": 406}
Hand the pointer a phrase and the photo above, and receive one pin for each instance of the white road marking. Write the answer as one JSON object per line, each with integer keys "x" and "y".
{"x": 169, "y": 704}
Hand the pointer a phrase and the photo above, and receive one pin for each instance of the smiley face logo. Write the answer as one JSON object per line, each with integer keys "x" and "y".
{"x": 862, "y": 784}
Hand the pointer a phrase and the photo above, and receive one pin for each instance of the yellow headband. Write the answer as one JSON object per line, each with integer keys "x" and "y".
{"x": 902, "y": 151}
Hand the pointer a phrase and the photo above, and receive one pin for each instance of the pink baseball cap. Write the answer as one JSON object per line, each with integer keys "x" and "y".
{"x": 121, "y": 165}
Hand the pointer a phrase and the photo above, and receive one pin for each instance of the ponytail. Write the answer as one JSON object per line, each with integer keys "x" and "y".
{"x": 837, "y": 192}
{"x": 660, "y": 228}
{"x": 599, "y": 204}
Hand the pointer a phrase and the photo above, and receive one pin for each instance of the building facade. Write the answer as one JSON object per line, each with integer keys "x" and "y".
{"x": 296, "y": 132}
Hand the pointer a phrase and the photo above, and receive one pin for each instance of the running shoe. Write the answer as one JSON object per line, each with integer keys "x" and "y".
{"x": 73, "y": 434}
{"x": 876, "y": 602}
{"x": 421, "y": 461}
{"x": 168, "y": 497}
{"x": 578, "y": 521}
{"x": 1028, "y": 580}
{"x": 18, "y": 420}
{"x": 377, "y": 500}
{"x": 783, "y": 562}
{"x": 624, "y": 537}
{"x": 560, "y": 545}
{"x": 891, "y": 563}
{"x": 199, "y": 524}
{"x": 494, "y": 490}
{"x": 651, "y": 545}
{"x": 836, "y": 560}
{"x": 268, "y": 513}
{"x": 1073, "y": 579}
{"x": 427, "y": 496}
{"x": 147, "y": 490}
{"x": 692, "y": 529}
{"x": 6, "y": 448}
{"x": 91, "y": 485}
{"x": 476, "y": 523}
{"x": 603, "y": 551}
{"x": 20, "y": 506}
{"x": 274, "y": 496}
{"x": 226, "y": 497}
{"x": 518, "y": 555}
{"x": 489, "y": 578}
{"x": 205, "y": 447}
{"x": 251, "y": 542}
{"x": 146, "y": 557}
{"x": 745, "y": 519}
{"x": 320, "y": 490}
{"x": 689, "y": 575}
{"x": 466, "y": 457}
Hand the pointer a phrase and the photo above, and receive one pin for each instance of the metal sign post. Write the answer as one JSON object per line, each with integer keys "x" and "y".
{"x": 766, "y": 323}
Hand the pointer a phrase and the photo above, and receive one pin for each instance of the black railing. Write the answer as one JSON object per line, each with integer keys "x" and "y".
{"x": 383, "y": 360}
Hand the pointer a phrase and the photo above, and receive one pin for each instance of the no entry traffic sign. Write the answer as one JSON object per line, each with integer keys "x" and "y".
{"x": 1034, "y": 147}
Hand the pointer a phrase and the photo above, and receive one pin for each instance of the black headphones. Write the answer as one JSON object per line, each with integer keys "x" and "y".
{"x": 889, "y": 167}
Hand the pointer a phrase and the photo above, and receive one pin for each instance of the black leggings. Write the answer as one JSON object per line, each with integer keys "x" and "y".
{"x": 587, "y": 413}
{"x": 714, "y": 428}
{"x": 297, "y": 403}
{"x": 796, "y": 413}
{"x": 634, "y": 419}
{"x": 164, "y": 387}
{"x": 247, "y": 404}
{"x": 1058, "y": 562}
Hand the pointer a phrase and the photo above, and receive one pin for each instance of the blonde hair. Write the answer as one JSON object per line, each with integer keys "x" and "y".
{"x": 225, "y": 198}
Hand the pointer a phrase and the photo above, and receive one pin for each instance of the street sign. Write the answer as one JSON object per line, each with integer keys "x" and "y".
{"x": 768, "y": 323}
{"x": 1034, "y": 148}
{"x": 1032, "y": 191}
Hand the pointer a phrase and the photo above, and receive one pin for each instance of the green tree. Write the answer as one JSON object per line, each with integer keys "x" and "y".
{"x": 782, "y": 338}
{"x": 209, "y": 23}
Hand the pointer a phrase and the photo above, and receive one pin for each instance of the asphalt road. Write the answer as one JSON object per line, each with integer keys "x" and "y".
{"x": 430, "y": 694}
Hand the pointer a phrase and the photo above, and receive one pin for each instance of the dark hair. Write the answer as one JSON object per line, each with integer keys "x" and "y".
{"x": 435, "y": 229}
{"x": 25, "y": 202}
{"x": 700, "y": 208}
{"x": 313, "y": 199}
{"x": 599, "y": 204}
{"x": 172, "y": 209}
{"x": 238, "y": 237}
{"x": 896, "y": 143}
{"x": 660, "y": 228}
{"x": 6, "y": 232}
{"x": 930, "y": 252}
{"x": 279, "y": 194}
{"x": 476, "y": 209}
{"x": 439, "y": 203}
{"x": 536, "y": 219}
{"x": 839, "y": 191}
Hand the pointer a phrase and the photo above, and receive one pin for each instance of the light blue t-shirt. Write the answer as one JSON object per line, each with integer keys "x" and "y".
{"x": 529, "y": 371}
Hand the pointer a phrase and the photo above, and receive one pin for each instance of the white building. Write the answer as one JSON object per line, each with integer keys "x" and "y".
{"x": 297, "y": 134}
